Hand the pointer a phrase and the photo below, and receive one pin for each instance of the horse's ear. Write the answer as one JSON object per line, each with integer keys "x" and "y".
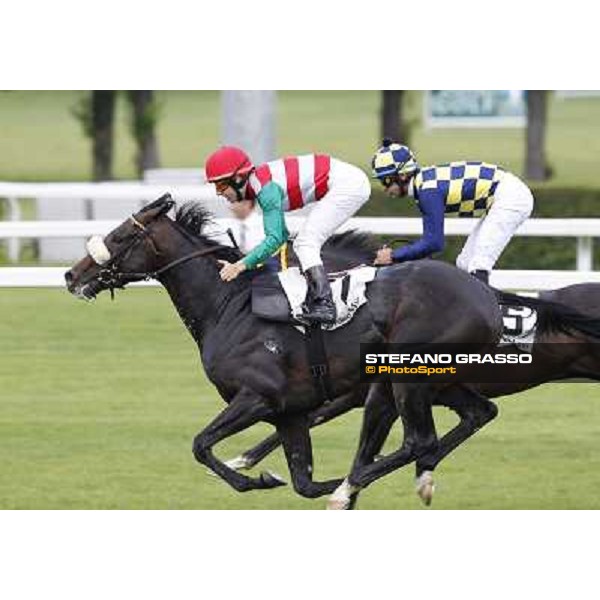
{"x": 159, "y": 207}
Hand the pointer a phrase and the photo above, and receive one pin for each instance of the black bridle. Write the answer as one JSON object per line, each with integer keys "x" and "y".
{"x": 112, "y": 277}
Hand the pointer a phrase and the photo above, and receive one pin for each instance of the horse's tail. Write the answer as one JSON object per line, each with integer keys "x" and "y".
{"x": 554, "y": 316}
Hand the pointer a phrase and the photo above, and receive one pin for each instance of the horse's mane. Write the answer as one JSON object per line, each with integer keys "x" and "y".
{"x": 349, "y": 249}
{"x": 194, "y": 219}
{"x": 341, "y": 251}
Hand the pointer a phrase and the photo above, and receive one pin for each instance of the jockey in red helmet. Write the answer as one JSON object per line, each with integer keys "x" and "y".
{"x": 336, "y": 189}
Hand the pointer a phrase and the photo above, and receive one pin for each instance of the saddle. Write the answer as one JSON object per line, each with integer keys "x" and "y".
{"x": 280, "y": 296}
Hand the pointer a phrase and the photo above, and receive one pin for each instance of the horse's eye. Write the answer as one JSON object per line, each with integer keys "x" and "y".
{"x": 118, "y": 239}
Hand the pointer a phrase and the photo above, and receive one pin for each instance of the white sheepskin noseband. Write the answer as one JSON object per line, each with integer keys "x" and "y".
{"x": 97, "y": 250}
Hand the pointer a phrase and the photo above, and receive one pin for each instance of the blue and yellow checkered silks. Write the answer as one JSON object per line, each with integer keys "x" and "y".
{"x": 468, "y": 187}
{"x": 393, "y": 159}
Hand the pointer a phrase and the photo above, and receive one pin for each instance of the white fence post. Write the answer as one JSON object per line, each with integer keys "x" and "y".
{"x": 585, "y": 254}
{"x": 14, "y": 244}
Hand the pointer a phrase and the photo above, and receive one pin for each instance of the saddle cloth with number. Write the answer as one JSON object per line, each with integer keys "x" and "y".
{"x": 520, "y": 325}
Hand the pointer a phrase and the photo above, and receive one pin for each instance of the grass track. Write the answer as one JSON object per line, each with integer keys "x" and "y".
{"x": 99, "y": 404}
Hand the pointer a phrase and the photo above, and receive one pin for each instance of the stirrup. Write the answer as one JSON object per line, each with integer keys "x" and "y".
{"x": 315, "y": 314}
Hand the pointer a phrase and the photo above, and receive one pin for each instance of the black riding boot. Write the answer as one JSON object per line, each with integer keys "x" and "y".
{"x": 319, "y": 306}
{"x": 483, "y": 276}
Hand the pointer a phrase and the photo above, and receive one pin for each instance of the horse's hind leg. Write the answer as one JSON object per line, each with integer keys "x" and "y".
{"x": 295, "y": 436}
{"x": 379, "y": 416}
{"x": 413, "y": 404}
{"x": 323, "y": 414}
{"x": 245, "y": 410}
{"x": 474, "y": 411}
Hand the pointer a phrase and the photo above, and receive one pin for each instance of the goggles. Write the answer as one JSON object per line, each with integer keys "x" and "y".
{"x": 389, "y": 180}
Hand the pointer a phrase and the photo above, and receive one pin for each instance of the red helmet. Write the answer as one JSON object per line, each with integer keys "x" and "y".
{"x": 227, "y": 162}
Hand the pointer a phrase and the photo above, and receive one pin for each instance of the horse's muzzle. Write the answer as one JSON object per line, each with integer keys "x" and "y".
{"x": 87, "y": 291}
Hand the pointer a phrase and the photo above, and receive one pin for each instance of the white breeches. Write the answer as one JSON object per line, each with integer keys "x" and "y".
{"x": 513, "y": 203}
{"x": 349, "y": 189}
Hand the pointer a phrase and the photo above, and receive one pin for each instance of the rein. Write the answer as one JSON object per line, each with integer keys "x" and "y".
{"x": 183, "y": 259}
{"x": 112, "y": 277}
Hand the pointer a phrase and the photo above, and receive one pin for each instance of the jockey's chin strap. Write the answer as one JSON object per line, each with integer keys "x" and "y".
{"x": 238, "y": 186}
{"x": 113, "y": 278}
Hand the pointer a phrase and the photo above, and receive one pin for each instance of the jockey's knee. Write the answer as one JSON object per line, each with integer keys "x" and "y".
{"x": 462, "y": 262}
{"x": 308, "y": 252}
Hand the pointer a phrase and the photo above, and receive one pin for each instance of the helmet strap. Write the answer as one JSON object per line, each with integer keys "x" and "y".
{"x": 239, "y": 185}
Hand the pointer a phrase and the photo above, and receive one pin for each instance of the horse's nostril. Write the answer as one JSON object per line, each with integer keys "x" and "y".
{"x": 69, "y": 277}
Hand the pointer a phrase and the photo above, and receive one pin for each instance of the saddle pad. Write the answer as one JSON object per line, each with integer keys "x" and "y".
{"x": 520, "y": 326}
{"x": 348, "y": 290}
{"x": 279, "y": 297}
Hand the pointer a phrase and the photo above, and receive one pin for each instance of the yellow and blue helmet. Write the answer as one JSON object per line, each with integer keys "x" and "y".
{"x": 393, "y": 159}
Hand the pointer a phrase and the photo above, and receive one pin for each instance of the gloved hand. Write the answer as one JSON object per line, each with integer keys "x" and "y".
{"x": 384, "y": 256}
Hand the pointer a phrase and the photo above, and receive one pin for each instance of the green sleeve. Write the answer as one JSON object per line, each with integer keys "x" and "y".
{"x": 270, "y": 199}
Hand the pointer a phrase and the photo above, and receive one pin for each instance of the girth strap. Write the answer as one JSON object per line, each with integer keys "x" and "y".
{"x": 318, "y": 363}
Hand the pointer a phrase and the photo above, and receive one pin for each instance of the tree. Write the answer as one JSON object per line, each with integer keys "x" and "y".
{"x": 96, "y": 114}
{"x": 536, "y": 167}
{"x": 393, "y": 121}
{"x": 103, "y": 113}
{"x": 144, "y": 116}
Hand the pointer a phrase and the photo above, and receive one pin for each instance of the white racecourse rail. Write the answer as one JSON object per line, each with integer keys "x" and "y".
{"x": 584, "y": 230}
{"x": 523, "y": 280}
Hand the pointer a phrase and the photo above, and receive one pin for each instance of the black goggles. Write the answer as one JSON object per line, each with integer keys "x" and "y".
{"x": 389, "y": 180}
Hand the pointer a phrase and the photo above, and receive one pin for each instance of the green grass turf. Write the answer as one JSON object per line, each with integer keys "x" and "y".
{"x": 41, "y": 140}
{"x": 99, "y": 404}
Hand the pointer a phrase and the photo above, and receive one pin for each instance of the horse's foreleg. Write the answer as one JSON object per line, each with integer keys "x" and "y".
{"x": 295, "y": 437}
{"x": 246, "y": 409}
{"x": 323, "y": 414}
{"x": 474, "y": 411}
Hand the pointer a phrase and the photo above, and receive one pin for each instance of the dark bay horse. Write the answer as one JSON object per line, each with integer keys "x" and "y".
{"x": 567, "y": 348}
{"x": 260, "y": 368}
{"x": 561, "y": 352}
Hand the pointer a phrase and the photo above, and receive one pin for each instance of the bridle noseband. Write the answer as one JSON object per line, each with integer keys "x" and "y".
{"x": 112, "y": 277}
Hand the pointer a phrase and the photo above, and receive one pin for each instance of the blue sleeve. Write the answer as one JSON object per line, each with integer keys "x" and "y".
{"x": 431, "y": 203}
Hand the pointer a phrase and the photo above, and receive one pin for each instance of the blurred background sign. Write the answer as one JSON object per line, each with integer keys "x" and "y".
{"x": 475, "y": 108}
{"x": 573, "y": 94}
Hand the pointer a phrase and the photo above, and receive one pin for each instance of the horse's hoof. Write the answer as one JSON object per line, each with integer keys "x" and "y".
{"x": 425, "y": 487}
{"x": 338, "y": 504}
{"x": 271, "y": 480}
{"x": 343, "y": 498}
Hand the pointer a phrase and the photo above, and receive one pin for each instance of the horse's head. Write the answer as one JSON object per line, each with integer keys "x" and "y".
{"x": 131, "y": 252}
